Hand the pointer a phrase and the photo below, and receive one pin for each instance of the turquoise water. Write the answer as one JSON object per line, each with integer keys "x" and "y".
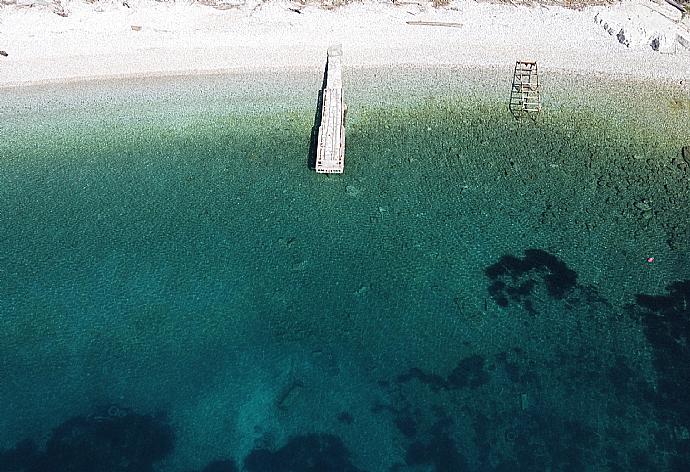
{"x": 177, "y": 287}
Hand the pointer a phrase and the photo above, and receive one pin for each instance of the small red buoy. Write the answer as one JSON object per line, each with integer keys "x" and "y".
{"x": 650, "y": 259}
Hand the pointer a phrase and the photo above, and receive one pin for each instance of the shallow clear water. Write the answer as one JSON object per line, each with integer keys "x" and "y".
{"x": 177, "y": 287}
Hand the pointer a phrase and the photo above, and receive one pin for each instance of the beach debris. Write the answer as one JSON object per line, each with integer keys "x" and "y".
{"x": 3, "y": 53}
{"x": 223, "y": 4}
{"x": 136, "y": 28}
{"x": 31, "y": 3}
{"x": 650, "y": 259}
{"x": 447, "y": 24}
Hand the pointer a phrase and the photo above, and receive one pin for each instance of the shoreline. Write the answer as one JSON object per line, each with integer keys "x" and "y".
{"x": 96, "y": 42}
{"x": 263, "y": 90}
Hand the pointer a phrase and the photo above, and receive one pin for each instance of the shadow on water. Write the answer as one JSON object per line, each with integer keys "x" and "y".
{"x": 313, "y": 142}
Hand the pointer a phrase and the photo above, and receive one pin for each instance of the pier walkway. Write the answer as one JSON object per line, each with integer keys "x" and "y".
{"x": 330, "y": 151}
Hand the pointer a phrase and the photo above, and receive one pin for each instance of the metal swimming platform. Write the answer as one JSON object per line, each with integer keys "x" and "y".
{"x": 525, "y": 94}
{"x": 330, "y": 150}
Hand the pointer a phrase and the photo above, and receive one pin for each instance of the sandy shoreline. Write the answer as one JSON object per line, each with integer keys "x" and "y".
{"x": 98, "y": 40}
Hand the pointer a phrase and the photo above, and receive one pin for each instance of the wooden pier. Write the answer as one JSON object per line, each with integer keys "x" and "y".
{"x": 330, "y": 150}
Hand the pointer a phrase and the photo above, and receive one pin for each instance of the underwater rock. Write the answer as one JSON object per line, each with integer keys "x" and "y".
{"x": 469, "y": 373}
{"x": 308, "y": 453}
{"x": 221, "y": 466}
{"x": 97, "y": 443}
{"x": 685, "y": 152}
{"x": 666, "y": 322}
{"x": 406, "y": 424}
{"x": 345, "y": 418}
{"x": 440, "y": 451}
{"x": 20, "y": 458}
{"x": 678, "y": 237}
{"x": 123, "y": 443}
{"x": 514, "y": 279}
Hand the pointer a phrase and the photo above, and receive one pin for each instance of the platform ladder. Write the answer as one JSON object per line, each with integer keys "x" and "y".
{"x": 525, "y": 99}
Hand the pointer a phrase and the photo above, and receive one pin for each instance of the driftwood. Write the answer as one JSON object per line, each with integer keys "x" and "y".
{"x": 435, "y": 23}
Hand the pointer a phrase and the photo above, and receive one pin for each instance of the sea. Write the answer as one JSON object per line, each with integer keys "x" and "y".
{"x": 181, "y": 292}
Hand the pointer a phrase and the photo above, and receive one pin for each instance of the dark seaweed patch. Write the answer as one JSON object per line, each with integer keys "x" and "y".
{"x": 406, "y": 424}
{"x": 439, "y": 450}
{"x": 122, "y": 442}
{"x": 436, "y": 382}
{"x": 545, "y": 441}
{"x": 308, "y": 453}
{"x": 345, "y": 418}
{"x": 666, "y": 321}
{"x": 20, "y": 458}
{"x": 622, "y": 377}
{"x": 514, "y": 279}
{"x": 221, "y": 466}
{"x": 469, "y": 373}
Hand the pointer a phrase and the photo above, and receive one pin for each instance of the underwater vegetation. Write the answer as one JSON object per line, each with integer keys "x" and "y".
{"x": 469, "y": 373}
{"x": 547, "y": 406}
{"x": 514, "y": 279}
{"x": 119, "y": 440}
{"x": 666, "y": 322}
{"x": 221, "y": 466}
{"x": 307, "y": 453}
{"x": 533, "y": 421}
{"x": 114, "y": 440}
